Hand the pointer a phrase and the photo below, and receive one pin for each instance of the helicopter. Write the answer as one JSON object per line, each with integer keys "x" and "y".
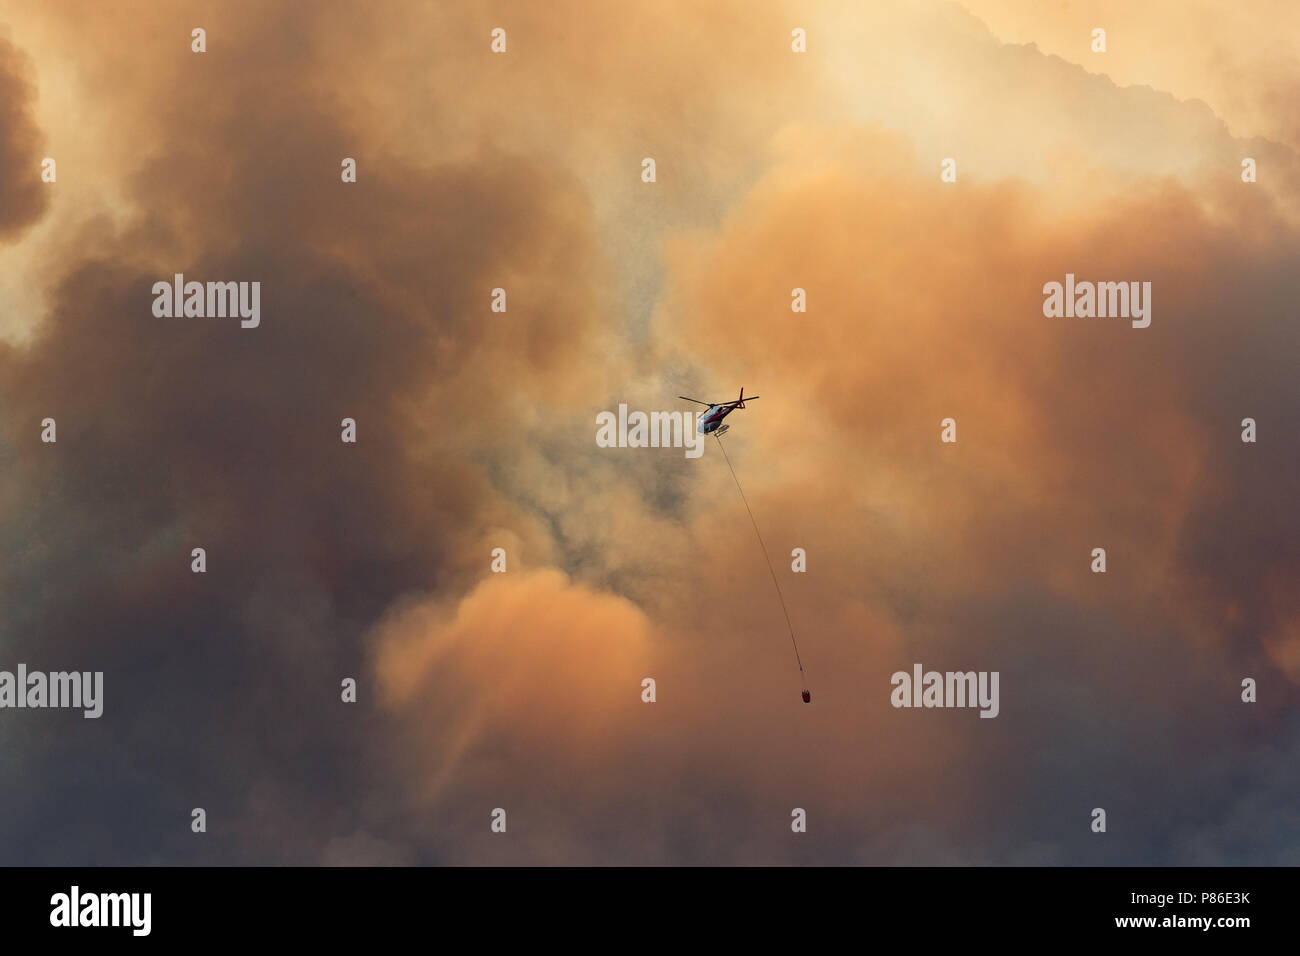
{"x": 710, "y": 422}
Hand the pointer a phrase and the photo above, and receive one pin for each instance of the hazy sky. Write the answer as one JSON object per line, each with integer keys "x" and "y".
{"x": 476, "y": 430}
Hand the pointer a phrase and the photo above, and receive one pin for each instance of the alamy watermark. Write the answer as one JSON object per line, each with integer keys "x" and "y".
{"x": 76, "y": 908}
{"x": 73, "y": 689}
{"x": 178, "y": 298}
{"x": 639, "y": 429}
{"x": 949, "y": 689}
{"x": 1085, "y": 300}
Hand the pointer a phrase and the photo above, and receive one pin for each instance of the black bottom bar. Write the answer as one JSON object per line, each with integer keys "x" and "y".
{"x": 609, "y": 907}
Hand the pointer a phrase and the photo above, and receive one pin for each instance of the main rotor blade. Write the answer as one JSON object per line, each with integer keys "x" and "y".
{"x": 696, "y": 401}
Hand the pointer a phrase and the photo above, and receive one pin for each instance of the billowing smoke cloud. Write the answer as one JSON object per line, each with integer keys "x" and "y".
{"x": 22, "y": 199}
{"x": 523, "y": 690}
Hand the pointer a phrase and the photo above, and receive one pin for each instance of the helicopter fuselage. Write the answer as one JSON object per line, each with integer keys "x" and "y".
{"x": 712, "y": 418}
